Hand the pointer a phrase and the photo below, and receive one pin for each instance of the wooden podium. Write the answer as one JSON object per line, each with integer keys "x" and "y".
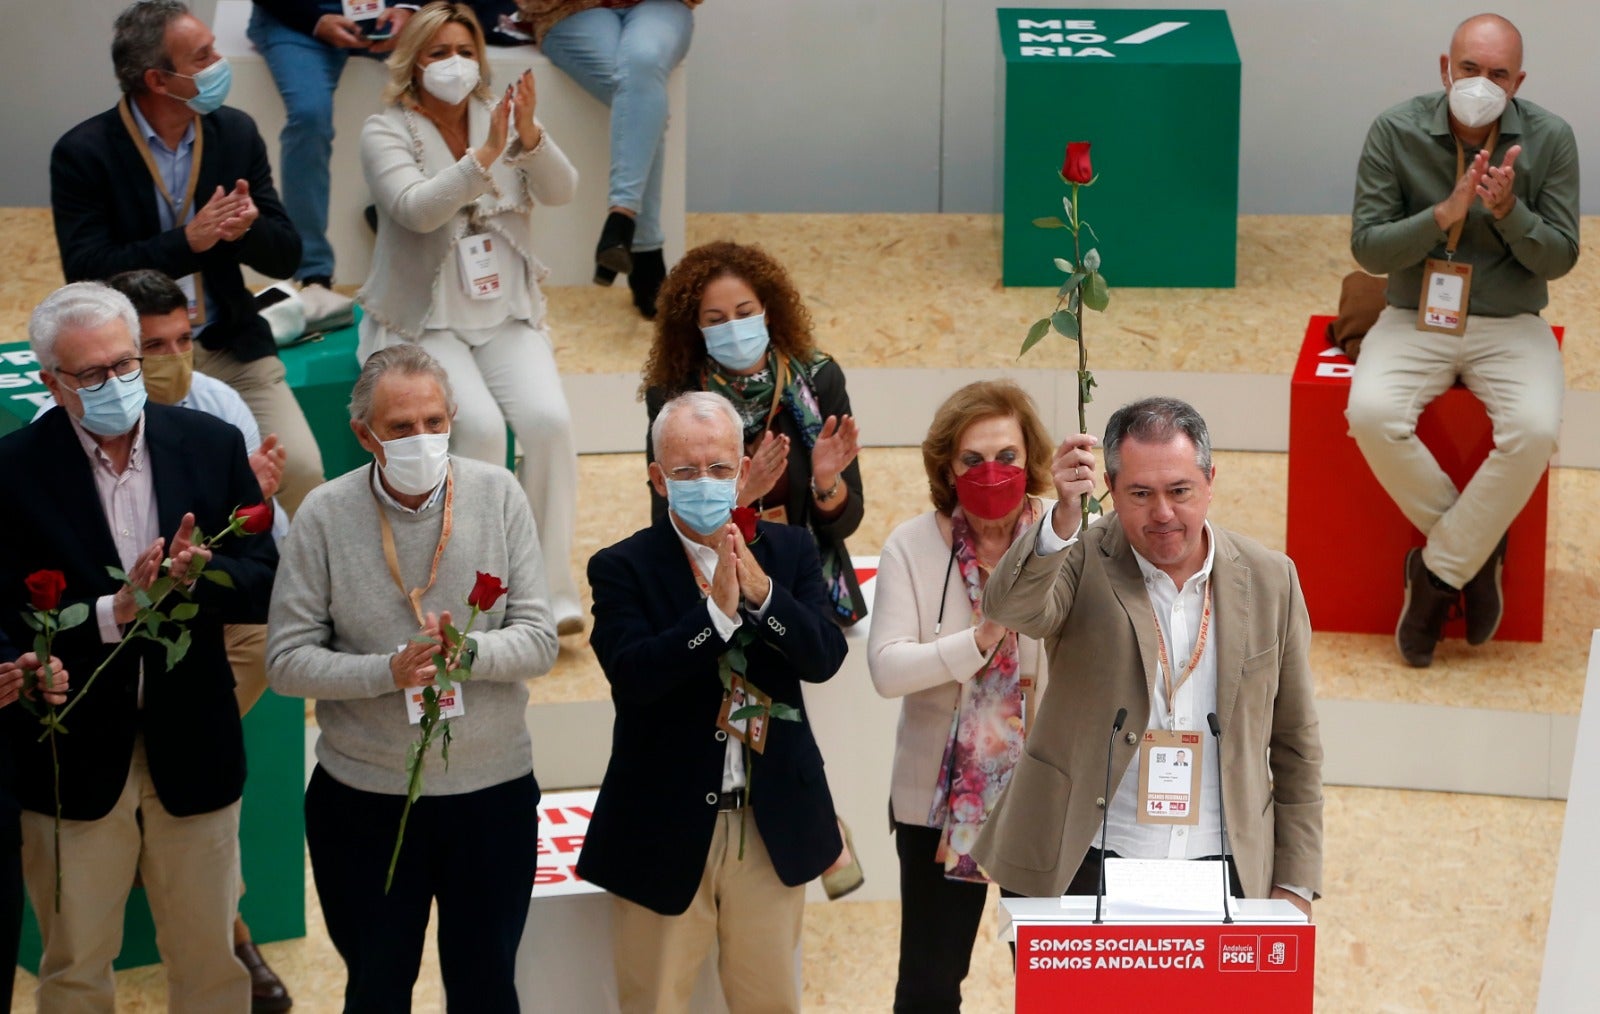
{"x": 1265, "y": 960}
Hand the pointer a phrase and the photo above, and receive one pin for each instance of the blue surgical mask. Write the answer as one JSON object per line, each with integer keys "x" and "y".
{"x": 738, "y": 344}
{"x": 703, "y": 504}
{"x": 114, "y": 407}
{"x": 213, "y": 84}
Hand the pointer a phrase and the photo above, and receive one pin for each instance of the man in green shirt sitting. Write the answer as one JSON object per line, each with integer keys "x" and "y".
{"x": 1470, "y": 197}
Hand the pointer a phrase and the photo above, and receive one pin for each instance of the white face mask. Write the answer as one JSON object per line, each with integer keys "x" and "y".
{"x": 416, "y": 465}
{"x": 451, "y": 80}
{"x": 1476, "y": 101}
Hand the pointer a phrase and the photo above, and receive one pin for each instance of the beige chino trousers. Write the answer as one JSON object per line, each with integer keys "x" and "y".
{"x": 1513, "y": 365}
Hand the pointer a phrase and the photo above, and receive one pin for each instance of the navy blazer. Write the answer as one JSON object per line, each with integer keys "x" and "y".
{"x": 104, "y": 204}
{"x": 53, "y": 520}
{"x": 652, "y": 825}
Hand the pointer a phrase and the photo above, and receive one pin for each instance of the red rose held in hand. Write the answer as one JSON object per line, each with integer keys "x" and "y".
{"x": 486, "y": 591}
{"x": 45, "y": 588}
{"x": 745, "y": 518}
{"x": 256, "y": 519}
{"x": 1075, "y": 167}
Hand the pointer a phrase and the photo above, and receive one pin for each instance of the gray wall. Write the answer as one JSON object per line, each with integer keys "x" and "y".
{"x": 888, "y": 105}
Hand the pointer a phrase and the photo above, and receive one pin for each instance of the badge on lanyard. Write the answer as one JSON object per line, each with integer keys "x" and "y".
{"x": 1446, "y": 285}
{"x": 1169, "y": 777}
{"x": 362, "y": 10}
{"x": 480, "y": 266}
{"x": 741, "y": 694}
{"x": 451, "y": 704}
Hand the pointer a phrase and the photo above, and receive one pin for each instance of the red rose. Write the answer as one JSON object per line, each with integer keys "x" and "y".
{"x": 745, "y": 518}
{"x": 254, "y": 520}
{"x": 45, "y": 588}
{"x": 485, "y": 592}
{"x": 1075, "y": 167}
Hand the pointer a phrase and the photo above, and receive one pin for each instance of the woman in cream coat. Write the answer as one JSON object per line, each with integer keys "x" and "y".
{"x": 455, "y": 178}
{"x": 967, "y": 685}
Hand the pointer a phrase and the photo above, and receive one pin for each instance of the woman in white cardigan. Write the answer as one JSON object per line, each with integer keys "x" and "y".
{"x": 455, "y": 177}
{"x": 967, "y": 685}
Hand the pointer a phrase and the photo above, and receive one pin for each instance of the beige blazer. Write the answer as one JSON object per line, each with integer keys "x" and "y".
{"x": 927, "y": 670}
{"x": 1088, "y": 604}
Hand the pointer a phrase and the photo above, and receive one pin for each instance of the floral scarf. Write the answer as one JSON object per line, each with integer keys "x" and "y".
{"x": 986, "y": 730}
{"x": 758, "y": 398}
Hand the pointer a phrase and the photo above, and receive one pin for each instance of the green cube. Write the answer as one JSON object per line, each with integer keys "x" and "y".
{"x": 1157, "y": 95}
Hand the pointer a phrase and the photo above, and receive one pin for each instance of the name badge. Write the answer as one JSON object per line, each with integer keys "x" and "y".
{"x": 751, "y": 729}
{"x": 451, "y": 704}
{"x": 1443, "y": 304}
{"x": 480, "y": 266}
{"x": 1169, "y": 777}
{"x": 362, "y": 10}
{"x": 191, "y": 294}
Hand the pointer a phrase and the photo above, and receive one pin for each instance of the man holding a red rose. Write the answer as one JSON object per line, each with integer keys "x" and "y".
{"x": 698, "y": 839}
{"x": 1467, "y": 199}
{"x": 374, "y": 566}
{"x": 151, "y": 775}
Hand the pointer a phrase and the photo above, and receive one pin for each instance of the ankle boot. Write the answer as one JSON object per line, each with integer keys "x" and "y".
{"x": 649, "y": 271}
{"x": 615, "y": 250}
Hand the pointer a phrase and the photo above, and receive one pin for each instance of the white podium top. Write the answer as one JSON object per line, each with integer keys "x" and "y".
{"x": 1077, "y": 909}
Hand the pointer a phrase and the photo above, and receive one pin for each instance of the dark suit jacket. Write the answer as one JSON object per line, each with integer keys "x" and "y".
{"x": 104, "y": 203}
{"x": 652, "y": 826}
{"x": 190, "y": 720}
{"x": 1089, "y": 605}
{"x": 832, "y": 399}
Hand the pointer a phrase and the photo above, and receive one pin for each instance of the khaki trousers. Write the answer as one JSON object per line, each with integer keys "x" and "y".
{"x": 247, "y": 656}
{"x": 260, "y": 383}
{"x": 190, "y": 867}
{"x": 742, "y": 907}
{"x": 1513, "y": 365}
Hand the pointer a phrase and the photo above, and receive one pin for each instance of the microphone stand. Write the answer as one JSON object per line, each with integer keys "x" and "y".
{"x": 1222, "y": 812}
{"x": 1105, "y": 815}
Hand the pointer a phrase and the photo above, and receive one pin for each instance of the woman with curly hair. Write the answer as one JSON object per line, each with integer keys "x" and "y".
{"x": 732, "y": 322}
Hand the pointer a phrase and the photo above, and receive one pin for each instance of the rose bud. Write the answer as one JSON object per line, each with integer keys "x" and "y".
{"x": 255, "y": 519}
{"x": 1075, "y": 168}
{"x": 486, "y": 591}
{"x": 45, "y": 588}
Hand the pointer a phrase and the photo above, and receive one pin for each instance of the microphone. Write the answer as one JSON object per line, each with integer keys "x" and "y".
{"x": 1105, "y": 814}
{"x": 1222, "y": 812}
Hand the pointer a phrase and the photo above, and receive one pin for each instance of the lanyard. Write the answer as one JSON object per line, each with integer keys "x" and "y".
{"x": 1194, "y": 659}
{"x": 180, "y": 212}
{"x": 1461, "y": 168}
{"x": 414, "y": 596}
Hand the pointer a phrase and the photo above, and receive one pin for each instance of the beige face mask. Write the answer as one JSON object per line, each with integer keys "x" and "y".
{"x": 167, "y": 378}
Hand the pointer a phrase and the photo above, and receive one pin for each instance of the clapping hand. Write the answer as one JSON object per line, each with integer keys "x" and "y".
{"x": 770, "y": 460}
{"x": 837, "y": 445}
{"x": 1494, "y": 184}
{"x": 725, "y": 582}
{"x": 499, "y": 122}
{"x": 524, "y": 97}
{"x": 267, "y": 464}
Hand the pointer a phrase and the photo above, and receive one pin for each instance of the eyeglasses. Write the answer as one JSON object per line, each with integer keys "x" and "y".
{"x": 721, "y": 471}
{"x": 95, "y": 377}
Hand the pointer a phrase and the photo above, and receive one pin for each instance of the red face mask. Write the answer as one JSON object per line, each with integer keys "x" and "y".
{"x": 991, "y": 490}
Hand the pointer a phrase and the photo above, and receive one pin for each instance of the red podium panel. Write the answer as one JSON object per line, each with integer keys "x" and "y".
{"x": 1197, "y": 968}
{"x": 1347, "y": 538}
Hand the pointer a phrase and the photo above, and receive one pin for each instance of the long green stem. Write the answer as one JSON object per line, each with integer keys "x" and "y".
{"x": 413, "y": 789}
{"x": 1083, "y": 346}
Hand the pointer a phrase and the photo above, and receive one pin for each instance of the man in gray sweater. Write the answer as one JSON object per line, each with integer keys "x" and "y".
{"x": 371, "y": 569}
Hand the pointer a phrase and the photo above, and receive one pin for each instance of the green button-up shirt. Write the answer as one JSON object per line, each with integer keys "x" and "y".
{"x": 1409, "y": 165}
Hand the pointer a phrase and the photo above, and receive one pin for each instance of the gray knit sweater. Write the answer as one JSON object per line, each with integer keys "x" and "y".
{"x": 337, "y": 616}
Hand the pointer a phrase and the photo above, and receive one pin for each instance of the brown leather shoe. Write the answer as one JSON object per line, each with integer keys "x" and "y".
{"x": 1483, "y": 597}
{"x": 1423, "y": 614}
{"x": 267, "y": 992}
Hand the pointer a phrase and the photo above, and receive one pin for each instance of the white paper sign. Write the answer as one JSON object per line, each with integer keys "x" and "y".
{"x": 450, "y": 703}
{"x": 1173, "y": 886}
{"x": 362, "y": 10}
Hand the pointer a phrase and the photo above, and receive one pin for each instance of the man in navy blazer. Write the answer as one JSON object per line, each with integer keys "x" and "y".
{"x": 699, "y": 839}
{"x": 171, "y": 179}
{"x": 153, "y": 766}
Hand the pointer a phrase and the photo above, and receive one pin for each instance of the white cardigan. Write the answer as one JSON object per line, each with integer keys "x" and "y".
{"x": 427, "y": 199}
{"x": 907, "y": 661}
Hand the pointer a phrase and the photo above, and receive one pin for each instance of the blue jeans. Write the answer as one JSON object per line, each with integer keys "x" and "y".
{"x": 623, "y": 58}
{"x": 306, "y": 72}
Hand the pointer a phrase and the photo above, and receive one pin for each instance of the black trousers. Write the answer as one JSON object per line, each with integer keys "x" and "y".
{"x": 938, "y": 923}
{"x": 475, "y": 853}
{"x": 10, "y": 897}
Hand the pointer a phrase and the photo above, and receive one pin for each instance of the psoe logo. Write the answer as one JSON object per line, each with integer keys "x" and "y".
{"x": 1065, "y": 33}
{"x": 1280, "y": 953}
{"x": 1238, "y": 953}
